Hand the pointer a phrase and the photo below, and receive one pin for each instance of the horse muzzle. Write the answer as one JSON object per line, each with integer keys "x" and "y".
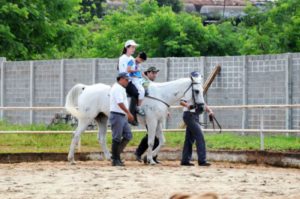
{"x": 200, "y": 108}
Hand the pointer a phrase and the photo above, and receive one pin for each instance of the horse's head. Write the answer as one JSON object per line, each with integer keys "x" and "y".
{"x": 195, "y": 93}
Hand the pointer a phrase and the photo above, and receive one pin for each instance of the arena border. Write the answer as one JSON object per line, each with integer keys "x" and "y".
{"x": 277, "y": 159}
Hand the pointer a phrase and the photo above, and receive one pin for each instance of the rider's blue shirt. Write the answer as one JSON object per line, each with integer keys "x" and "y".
{"x": 134, "y": 66}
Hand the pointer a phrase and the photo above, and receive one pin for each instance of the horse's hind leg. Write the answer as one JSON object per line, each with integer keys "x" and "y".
{"x": 102, "y": 125}
{"x": 82, "y": 125}
{"x": 151, "y": 136}
{"x": 161, "y": 138}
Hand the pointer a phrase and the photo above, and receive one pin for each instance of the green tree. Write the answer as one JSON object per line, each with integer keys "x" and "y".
{"x": 159, "y": 31}
{"x": 176, "y": 5}
{"x": 90, "y": 9}
{"x": 34, "y": 29}
{"x": 274, "y": 28}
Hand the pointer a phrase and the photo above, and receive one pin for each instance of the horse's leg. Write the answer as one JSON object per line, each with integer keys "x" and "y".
{"x": 152, "y": 125}
{"x": 161, "y": 138}
{"x": 82, "y": 125}
{"x": 102, "y": 125}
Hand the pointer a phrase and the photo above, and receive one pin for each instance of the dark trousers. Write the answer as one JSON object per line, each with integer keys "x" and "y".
{"x": 193, "y": 133}
{"x": 143, "y": 146}
{"x": 132, "y": 92}
{"x": 119, "y": 127}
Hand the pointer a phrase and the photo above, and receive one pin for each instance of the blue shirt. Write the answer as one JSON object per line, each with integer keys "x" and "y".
{"x": 134, "y": 66}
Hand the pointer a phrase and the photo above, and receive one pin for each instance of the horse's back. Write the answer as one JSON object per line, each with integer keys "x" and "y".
{"x": 95, "y": 99}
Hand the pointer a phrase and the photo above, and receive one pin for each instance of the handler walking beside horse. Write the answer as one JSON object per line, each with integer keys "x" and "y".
{"x": 121, "y": 133}
{"x": 193, "y": 131}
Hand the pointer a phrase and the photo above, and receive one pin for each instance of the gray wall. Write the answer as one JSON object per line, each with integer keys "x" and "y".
{"x": 265, "y": 79}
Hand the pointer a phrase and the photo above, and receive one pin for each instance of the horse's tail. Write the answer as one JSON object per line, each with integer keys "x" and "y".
{"x": 72, "y": 99}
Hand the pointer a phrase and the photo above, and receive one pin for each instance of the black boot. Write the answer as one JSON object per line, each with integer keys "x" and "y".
{"x": 115, "y": 150}
{"x": 156, "y": 160}
{"x": 143, "y": 146}
{"x": 123, "y": 144}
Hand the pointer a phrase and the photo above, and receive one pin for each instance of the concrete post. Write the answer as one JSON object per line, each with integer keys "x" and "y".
{"x": 167, "y": 78}
{"x": 31, "y": 90}
{"x": 245, "y": 93}
{"x": 262, "y": 136}
{"x": 205, "y": 76}
{"x": 62, "y": 82}
{"x": 2, "y": 61}
{"x": 288, "y": 94}
{"x": 94, "y": 68}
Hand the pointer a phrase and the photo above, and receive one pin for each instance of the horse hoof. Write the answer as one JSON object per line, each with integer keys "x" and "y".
{"x": 107, "y": 156}
{"x": 145, "y": 160}
{"x": 72, "y": 163}
{"x": 152, "y": 163}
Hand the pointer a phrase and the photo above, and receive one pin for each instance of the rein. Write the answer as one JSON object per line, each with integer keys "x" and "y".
{"x": 213, "y": 119}
{"x": 165, "y": 103}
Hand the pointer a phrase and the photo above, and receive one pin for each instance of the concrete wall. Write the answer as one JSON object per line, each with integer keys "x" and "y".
{"x": 265, "y": 79}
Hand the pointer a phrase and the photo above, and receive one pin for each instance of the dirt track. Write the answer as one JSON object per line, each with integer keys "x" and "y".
{"x": 97, "y": 179}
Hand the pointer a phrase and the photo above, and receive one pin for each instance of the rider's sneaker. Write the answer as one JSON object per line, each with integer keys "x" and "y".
{"x": 140, "y": 111}
{"x": 134, "y": 123}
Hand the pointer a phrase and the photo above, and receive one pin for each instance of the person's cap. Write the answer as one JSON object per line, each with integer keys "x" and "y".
{"x": 123, "y": 75}
{"x": 195, "y": 74}
{"x": 152, "y": 69}
{"x": 130, "y": 43}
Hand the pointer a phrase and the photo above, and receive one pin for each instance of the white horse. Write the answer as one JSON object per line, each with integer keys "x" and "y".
{"x": 88, "y": 103}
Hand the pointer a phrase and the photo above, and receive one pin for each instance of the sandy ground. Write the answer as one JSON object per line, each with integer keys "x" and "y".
{"x": 97, "y": 179}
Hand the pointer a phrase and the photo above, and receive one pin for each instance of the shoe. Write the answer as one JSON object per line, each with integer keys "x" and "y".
{"x": 138, "y": 157}
{"x": 204, "y": 164}
{"x": 155, "y": 160}
{"x": 140, "y": 111}
{"x": 186, "y": 164}
{"x": 122, "y": 145}
{"x": 117, "y": 162}
{"x": 134, "y": 123}
{"x": 116, "y": 159}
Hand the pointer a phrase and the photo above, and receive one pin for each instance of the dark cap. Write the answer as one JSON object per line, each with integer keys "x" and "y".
{"x": 123, "y": 75}
{"x": 152, "y": 69}
{"x": 195, "y": 74}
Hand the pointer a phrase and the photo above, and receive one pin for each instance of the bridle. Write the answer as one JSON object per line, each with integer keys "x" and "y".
{"x": 212, "y": 118}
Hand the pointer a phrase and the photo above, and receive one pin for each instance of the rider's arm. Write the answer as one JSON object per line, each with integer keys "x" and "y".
{"x": 130, "y": 66}
{"x": 129, "y": 69}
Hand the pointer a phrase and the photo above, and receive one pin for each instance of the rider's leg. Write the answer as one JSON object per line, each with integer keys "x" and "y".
{"x": 133, "y": 93}
{"x": 141, "y": 90}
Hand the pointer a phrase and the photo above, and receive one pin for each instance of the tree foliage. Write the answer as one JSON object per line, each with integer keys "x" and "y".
{"x": 33, "y": 29}
{"x": 40, "y": 29}
{"x": 274, "y": 28}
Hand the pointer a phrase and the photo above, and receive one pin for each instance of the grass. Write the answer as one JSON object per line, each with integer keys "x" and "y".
{"x": 16, "y": 143}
